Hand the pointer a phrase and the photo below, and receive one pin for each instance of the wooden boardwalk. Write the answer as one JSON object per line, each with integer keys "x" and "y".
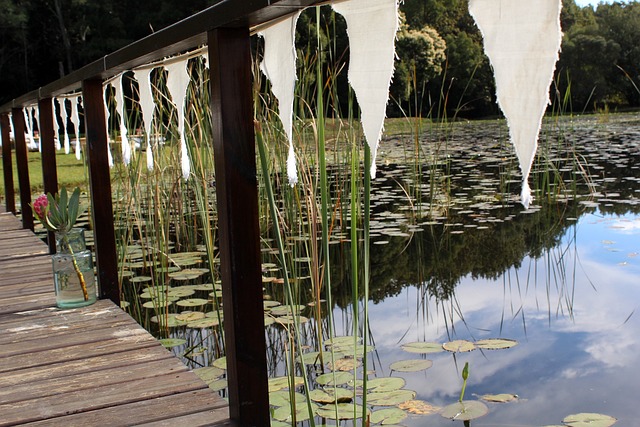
{"x": 92, "y": 366}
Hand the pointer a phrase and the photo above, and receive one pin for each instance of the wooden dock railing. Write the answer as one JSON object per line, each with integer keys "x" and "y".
{"x": 225, "y": 27}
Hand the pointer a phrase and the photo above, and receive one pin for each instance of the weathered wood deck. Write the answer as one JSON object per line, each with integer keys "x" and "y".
{"x": 93, "y": 366}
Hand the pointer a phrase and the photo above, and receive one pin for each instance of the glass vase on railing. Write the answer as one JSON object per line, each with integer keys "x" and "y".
{"x": 75, "y": 283}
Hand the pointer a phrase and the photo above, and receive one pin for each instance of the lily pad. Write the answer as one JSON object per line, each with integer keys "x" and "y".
{"x": 283, "y": 413}
{"x": 340, "y": 411}
{"x": 331, "y": 395}
{"x": 283, "y": 398}
{"x": 190, "y": 316}
{"x": 209, "y": 373}
{"x": 412, "y": 365}
{"x": 419, "y": 407}
{"x": 345, "y": 364}
{"x": 207, "y": 322}
{"x": 219, "y": 384}
{"x": 192, "y": 302}
{"x": 496, "y": 343}
{"x": 388, "y": 416}
{"x": 334, "y": 378}
{"x": 172, "y": 342}
{"x": 220, "y": 363}
{"x": 345, "y": 340}
{"x": 280, "y": 383}
{"x": 589, "y": 420}
{"x": 499, "y": 398}
{"x": 386, "y": 384}
{"x": 465, "y": 410}
{"x": 390, "y": 398}
{"x": 459, "y": 346}
{"x": 423, "y": 347}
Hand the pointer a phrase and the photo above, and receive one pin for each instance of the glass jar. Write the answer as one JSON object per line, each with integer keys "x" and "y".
{"x": 74, "y": 280}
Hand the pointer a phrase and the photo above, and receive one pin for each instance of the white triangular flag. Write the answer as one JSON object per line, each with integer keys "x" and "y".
{"x": 28, "y": 128}
{"x": 75, "y": 118}
{"x": 177, "y": 83}
{"x": 56, "y": 125}
{"x": 145, "y": 92}
{"x": 106, "y": 122}
{"x": 371, "y": 26}
{"x": 121, "y": 108}
{"x": 522, "y": 40}
{"x": 279, "y": 65}
{"x": 65, "y": 124}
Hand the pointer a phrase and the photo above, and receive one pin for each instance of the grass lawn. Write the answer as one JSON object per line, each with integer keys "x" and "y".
{"x": 71, "y": 173}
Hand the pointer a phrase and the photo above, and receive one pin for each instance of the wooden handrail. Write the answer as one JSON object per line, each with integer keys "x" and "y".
{"x": 184, "y": 35}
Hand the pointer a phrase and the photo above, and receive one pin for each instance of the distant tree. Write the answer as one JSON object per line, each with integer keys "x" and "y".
{"x": 14, "y": 58}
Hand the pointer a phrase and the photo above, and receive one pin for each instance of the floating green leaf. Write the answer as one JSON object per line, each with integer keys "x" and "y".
{"x": 499, "y": 398}
{"x": 279, "y": 383}
{"x": 334, "y": 378}
{"x": 459, "y": 346}
{"x": 423, "y": 347}
{"x": 388, "y": 416}
{"x": 496, "y": 343}
{"x": 331, "y": 395}
{"x": 192, "y": 302}
{"x": 340, "y": 411}
{"x": 172, "y": 342}
{"x": 283, "y": 413}
{"x": 412, "y": 365}
{"x": 207, "y": 322}
{"x": 390, "y": 398}
{"x": 220, "y": 363}
{"x": 209, "y": 374}
{"x": 219, "y": 384}
{"x": 283, "y": 398}
{"x": 345, "y": 340}
{"x": 465, "y": 410}
{"x": 589, "y": 420}
{"x": 386, "y": 384}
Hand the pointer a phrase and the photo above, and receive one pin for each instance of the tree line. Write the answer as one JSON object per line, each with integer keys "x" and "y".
{"x": 441, "y": 67}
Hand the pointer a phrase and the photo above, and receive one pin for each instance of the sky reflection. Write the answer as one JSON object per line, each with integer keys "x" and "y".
{"x": 573, "y": 311}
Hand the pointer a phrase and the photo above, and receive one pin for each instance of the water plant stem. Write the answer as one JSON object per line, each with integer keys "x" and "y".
{"x": 83, "y": 284}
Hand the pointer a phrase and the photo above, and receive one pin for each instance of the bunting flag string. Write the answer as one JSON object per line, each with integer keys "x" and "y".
{"x": 177, "y": 83}
{"x": 522, "y": 40}
{"x": 121, "y": 109}
{"x": 145, "y": 93}
{"x": 371, "y": 26}
{"x": 75, "y": 119}
{"x": 279, "y": 66}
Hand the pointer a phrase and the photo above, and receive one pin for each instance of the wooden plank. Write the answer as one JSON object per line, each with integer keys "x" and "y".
{"x": 144, "y": 412}
{"x": 48, "y": 144}
{"x": 238, "y": 226}
{"x": 7, "y": 167}
{"x": 23, "y": 168}
{"x": 84, "y": 366}
{"x": 211, "y": 417}
{"x": 27, "y": 302}
{"x": 100, "y": 397}
{"x": 87, "y": 381}
{"x": 100, "y": 189}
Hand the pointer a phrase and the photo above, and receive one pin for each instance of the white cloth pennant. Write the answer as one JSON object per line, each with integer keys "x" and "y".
{"x": 75, "y": 119}
{"x": 106, "y": 121}
{"x": 120, "y": 105}
{"x": 65, "y": 125}
{"x": 56, "y": 125}
{"x": 522, "y": 40}
{"x": 28, "y": 128}
{"x": 35, "y": 111}
{"x": 177, "y": 83}
{"x": 371, "y": 26}
{"x": 145, "y": 92}
{"x": 279, "y": 66}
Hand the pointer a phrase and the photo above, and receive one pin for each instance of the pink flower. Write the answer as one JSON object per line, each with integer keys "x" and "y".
{"x": 40, "y": 206}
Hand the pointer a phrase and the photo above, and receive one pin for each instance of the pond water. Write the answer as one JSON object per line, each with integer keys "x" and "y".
{"x": 454, "y": 256}
{"x": 563, "y": 279}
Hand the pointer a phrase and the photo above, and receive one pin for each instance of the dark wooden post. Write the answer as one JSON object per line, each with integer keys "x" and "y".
{"x": 238, "y": 226}
{"x": 23, "y": 168}
{"x": 48, "y": 144}
{"x": 7, "y": 166}
{"x": 100, "y": 190}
